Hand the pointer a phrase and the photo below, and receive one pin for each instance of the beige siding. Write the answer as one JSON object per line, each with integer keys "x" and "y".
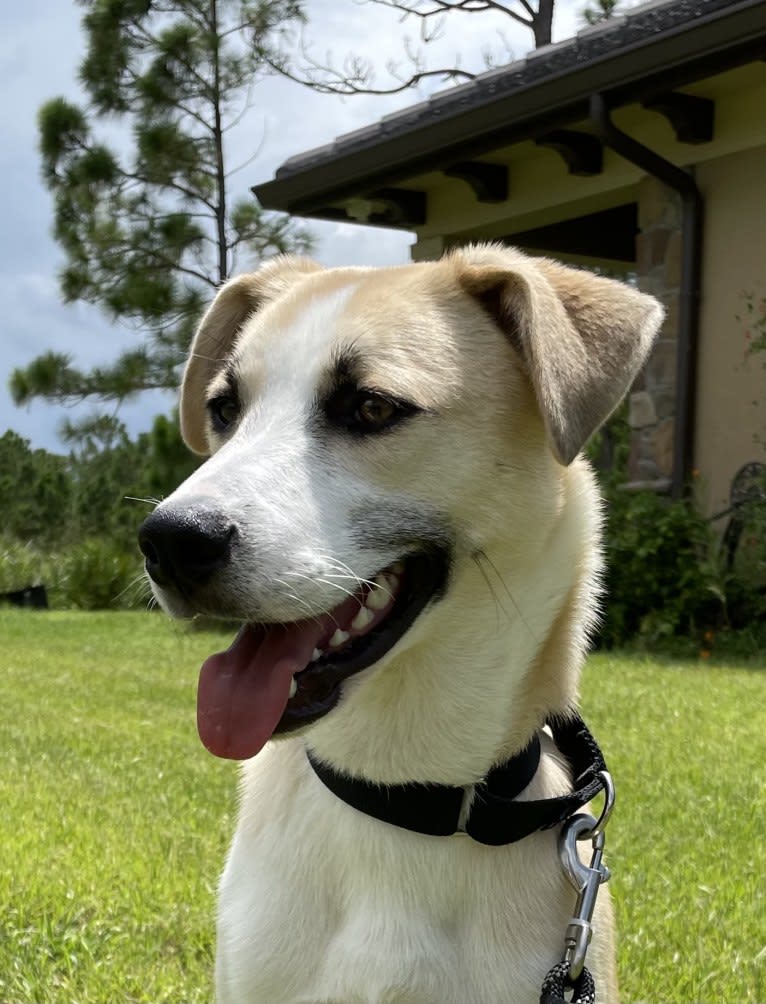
{"x": 731, "y": 403}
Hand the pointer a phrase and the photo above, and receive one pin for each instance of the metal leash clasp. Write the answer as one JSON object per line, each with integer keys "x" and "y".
{"x": 586, "y": 879}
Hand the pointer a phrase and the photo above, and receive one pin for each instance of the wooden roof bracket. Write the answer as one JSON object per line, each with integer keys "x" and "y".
{"x": 582, "y": 153}
{"x": 690, "y": 116}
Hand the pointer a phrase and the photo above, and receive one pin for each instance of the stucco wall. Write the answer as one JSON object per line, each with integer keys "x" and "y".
{"x": 731, "y": 173}
{"x": 731, "y": 402}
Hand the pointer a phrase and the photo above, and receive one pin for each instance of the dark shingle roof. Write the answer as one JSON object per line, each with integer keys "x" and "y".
{"x": 656, "y": 46}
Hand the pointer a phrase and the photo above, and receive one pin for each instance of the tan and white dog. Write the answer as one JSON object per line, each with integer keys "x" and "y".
{"x": 396, "y": 509}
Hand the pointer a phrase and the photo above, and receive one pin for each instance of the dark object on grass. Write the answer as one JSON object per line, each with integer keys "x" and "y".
{"x": 35, "y": 597}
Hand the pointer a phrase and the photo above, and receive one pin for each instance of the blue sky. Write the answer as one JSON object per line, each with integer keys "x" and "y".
{"x": 40, "y": 48}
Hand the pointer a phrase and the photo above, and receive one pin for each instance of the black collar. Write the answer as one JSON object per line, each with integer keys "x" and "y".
{"x": 495, "y": 818}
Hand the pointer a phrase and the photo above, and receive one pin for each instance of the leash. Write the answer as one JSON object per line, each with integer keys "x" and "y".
{"x": 571, "y": 975}
{"x": 496, "y": 818}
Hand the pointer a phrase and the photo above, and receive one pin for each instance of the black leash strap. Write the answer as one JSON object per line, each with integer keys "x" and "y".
{"x": 493, "y": 820}
{"x": 496, "y": 817}
{"x": 557, "y": 984}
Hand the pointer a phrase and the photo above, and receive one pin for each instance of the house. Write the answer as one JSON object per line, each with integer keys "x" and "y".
{"x": 639, "y": 147}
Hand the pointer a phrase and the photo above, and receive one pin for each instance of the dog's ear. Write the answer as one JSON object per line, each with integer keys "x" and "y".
{"x": 582, "y": 338}
{"x": 218, "y": 331}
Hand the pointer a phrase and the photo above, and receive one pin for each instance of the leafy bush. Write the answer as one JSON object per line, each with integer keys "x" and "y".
{"x": 98, "y": 574}
{"x": 669, "y": 574}
{"x": 93, "y": 574}
{"x": 22, "y": 565}
{"x": 663, "y": 575}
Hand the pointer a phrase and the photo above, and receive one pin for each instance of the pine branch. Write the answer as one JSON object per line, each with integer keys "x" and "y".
{"x": 182, "y": 189}
{"x": 463, "y": 6}
{"x": 194, "y": 115}
{"x": 249, "y": 161}
{"x": 346, "y": 85}
{"x": 246, "y": 106}
{"x": 176, "y": 267}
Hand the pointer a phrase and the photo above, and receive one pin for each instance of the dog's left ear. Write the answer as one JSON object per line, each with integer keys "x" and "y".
{"x": 582, "y": 338}
{"x": 234, "y": 303}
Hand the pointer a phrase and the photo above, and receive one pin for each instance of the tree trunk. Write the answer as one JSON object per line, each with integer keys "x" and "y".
{"x": 542, "y": 23}
{"x": 220, "y": 214}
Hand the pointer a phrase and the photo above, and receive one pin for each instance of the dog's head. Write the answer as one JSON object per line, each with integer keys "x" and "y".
{"x": 370, "y": 431}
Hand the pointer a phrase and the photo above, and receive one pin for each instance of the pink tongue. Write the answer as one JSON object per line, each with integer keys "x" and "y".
{"x": 243, "y": 691}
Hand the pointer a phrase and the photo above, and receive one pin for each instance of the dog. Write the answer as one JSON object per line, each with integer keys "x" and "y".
{"x": 396, "y": 508}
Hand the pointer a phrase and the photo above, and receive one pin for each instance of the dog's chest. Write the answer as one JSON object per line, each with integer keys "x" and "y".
{"x": 322, "y": 905}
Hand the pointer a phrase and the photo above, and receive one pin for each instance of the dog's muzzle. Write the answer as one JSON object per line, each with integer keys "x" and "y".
{"x": 279, "y": 675}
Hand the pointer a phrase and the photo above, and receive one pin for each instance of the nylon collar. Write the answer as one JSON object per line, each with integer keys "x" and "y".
{"x": 495, "y": 817}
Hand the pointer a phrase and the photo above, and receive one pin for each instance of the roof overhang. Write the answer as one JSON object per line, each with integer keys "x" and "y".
{"x": 647, "y": 53}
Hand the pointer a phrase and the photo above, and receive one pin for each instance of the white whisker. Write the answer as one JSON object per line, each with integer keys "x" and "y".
{"x": 135, "y": 587}
{"x": 290, "y": 595}
{"x": 507, "y": 592}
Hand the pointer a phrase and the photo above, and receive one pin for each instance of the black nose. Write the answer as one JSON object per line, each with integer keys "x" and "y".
{"x": 184, "y": 547}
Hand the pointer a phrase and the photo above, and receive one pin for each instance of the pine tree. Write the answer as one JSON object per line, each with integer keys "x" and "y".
{"x": 602, "y": 10}
{"x": 146, "y": 218}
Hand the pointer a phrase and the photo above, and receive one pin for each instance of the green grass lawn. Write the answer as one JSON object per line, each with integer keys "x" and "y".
{"x": 114, "y": 821}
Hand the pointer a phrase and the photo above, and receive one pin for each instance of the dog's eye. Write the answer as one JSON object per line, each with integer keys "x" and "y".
{"x": 375, "y": 412}
{"x": 369, "y": 412}
{"x": 364, "y": 411}
{"x": 224, "y": 411}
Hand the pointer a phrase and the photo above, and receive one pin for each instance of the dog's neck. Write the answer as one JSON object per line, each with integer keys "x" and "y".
{"x": 479, "y": 675}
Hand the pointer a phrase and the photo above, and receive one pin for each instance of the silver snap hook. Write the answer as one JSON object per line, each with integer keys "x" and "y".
{"x": 606, "y": 812}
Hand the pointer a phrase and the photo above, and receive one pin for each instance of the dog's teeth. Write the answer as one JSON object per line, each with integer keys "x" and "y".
{"x": 397, "y": 568}
{"x": 362, "y": 619}
{"x": 378, "y": 598}
{"x": 293, "y": 688}
{"x": 384, "y": 587}
{"x": 339, "y": 638}
{"x": 316, "y": 654}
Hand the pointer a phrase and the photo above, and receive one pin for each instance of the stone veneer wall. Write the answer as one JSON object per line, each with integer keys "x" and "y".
{"x": 652, "y": 402}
